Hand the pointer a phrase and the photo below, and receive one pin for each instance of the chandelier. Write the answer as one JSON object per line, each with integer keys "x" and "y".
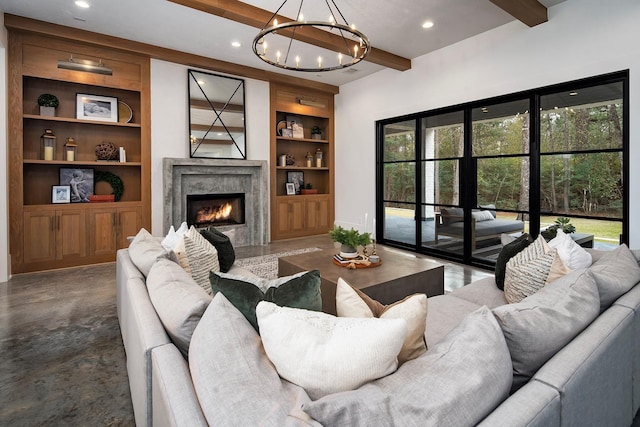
{"x": 280, "y": 44}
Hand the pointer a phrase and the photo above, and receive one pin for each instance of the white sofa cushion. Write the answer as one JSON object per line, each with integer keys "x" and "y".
{"x": 144, "y": 250}
{"x": 458, "y": 382}
{"x": 351, "y": 302}
{"x": 178, "y": 300}
{"x": 325, "y": 354}
{"x": 616, "y": 272}
{"x": 235, "y": 382}
{"x": 539, "y": 326}
{"x": 573, "y": 255}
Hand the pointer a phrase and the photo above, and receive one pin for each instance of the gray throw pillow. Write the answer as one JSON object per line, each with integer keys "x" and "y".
{"x": 458, "y": 382}
{"x": 236, "y": 384}
{"x": 451, "y": 215}
{"x": 616, "y": 272}
{"x": 508, "y": 252}
{"x": 540, "y": 325}
{"x": 178, "y": 300}
{"x": 144, "y": 250}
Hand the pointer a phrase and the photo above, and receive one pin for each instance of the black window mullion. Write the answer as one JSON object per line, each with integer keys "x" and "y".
{"x": 534, "y": 166}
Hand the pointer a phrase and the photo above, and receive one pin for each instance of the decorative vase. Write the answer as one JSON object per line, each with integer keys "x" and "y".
{"x": 48, "y": 111}
{"x": 316, "y": 136}
{"x": 347, "y": 251}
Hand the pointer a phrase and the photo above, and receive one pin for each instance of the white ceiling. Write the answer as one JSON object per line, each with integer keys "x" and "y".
{"x": 391, "y": 25}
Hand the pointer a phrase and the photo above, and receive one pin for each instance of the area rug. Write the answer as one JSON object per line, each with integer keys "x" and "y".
{"x": 266, "y": 266}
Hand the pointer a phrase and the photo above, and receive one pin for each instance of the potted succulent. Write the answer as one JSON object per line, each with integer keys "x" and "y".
{"x": 308, "y": 189}
{"x": 48, "y": 104}
{"x": 562, "y": 223}
{"x": 316, "y": 132}
{"x": 349, "y": 240}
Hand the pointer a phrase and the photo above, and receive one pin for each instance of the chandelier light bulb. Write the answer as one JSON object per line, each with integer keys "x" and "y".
{"x": 355, "y": 51}
{"x": 297, "y": 62}
{"x": 340, "y": 58}
{"x": 277, "y": 57}
{"x": 301, "y": 18}
{"x": 275, "y": 22}
{"x": 319, "y": 62}
{"x": 264, "y": 47}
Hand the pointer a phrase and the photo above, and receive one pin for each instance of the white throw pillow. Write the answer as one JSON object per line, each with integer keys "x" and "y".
{"x": 174, "y": 236}
{"x": 482, "y": 216}
{"x": 351, "y": 302}
{"x": 573, "y": 255}
{"x": 325, "y": 354}
{"x": 202, "y": 256}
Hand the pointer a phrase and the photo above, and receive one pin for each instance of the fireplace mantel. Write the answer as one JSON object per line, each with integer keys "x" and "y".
{"x": 203, "y": 176}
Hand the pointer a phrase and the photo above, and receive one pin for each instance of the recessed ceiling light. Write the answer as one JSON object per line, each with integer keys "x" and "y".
{"x": 82, "y": 3}
{"x": 236, "y": 44}
{"x": 427, "y": 24}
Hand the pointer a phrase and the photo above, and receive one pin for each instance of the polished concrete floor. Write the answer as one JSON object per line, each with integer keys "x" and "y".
{"x": 62, "y": 362}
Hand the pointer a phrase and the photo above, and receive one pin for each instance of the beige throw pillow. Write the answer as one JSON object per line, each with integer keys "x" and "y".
{"x": 202, "y": 257}
{"x": 325, "y": 354}
{"x": 351, "y": 302}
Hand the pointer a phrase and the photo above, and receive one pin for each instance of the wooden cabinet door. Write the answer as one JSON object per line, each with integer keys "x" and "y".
{"x": 296, "y": 212}
{"x": 71, "y": 234}
{"x": 129, "y": 223}
{"x": 317, "y": 214}
{"x": 102, "y": 231}
{"x": 39, "y": 236}
{"x": 290, "y": 217}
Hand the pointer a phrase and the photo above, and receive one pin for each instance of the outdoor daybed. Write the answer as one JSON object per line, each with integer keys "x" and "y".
{"x": 484, "y": 225}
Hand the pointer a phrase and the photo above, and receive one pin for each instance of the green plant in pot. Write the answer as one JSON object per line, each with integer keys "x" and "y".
{"x": 562, "y": 223}
{"x": 48, "y": 104}
{"x": 350, "y": 240}
{"x": 316, "y": 132}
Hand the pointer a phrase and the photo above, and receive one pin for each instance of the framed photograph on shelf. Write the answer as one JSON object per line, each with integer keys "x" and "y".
{"x": 61, "y": 194}
{"x": 297, "y": 178}
{"x": 96, "y": 108}
{"x": 80, "y": 181}
{"x": 291, "y": 190}
{"x": 287, "y": 133}
{"x": 295, "y": 124}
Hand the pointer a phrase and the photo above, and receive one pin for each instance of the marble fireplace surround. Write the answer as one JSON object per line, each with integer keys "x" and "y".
{"x": 205, "y": 176}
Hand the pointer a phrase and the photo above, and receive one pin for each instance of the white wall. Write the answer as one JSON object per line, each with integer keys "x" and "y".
{"x": 170, "y": 124}
{"x": 4, "y": 226}
{"x": 583, "y": 38}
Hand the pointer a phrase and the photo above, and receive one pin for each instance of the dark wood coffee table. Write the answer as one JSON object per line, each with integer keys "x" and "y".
{"x": 401, "y": 274}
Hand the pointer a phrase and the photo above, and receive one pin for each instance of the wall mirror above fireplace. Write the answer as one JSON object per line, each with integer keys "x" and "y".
{"x": 216, "y": 116}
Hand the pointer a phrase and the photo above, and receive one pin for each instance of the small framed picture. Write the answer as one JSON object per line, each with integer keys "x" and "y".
{"x": 81, "y": 182}
{"x": 61, "y": 194}
{"x": 297, "y": 178}
{"x": 287, "y": 133}
{"x": 291, "y": 189}
{"x": 96, "y": 108}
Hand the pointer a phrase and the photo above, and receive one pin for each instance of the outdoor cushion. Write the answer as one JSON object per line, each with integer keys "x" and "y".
{"x": 458, "y": 382}
{"x": 452, "y": 215}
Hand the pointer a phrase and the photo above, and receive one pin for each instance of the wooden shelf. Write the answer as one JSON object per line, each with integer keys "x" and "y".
{"x": 82, "y": 163}
{"x": 73, "y": 120}
{"x": 297, "y": 168}
{"x": 315, "y": 141}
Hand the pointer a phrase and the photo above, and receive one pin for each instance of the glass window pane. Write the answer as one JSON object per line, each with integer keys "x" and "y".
{"x": 400, "y": 223}
{"x": 443, "y": 136}
{"x": 504, "y": 182}
{"x": 582, "y": 184}
{"x": 605, "y": 234}
{"x": 441, "y": 182}
{"x": 501, "y": 129}
{"x": 400, "y": 141}
{"x": 582, "y": 119}
{"x": 400, "y": 182}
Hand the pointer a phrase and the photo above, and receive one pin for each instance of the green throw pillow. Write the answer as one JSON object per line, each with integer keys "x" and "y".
{"x": 507, "y": 252}
{"x": 226, "y": 254}
{"x": 301, "y": 290}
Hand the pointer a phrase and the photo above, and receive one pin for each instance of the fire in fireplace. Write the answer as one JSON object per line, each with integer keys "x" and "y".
{"x": 215, "y": 209}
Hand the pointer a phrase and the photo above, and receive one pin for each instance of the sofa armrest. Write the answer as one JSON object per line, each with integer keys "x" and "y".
{"x": 535, "y": 404}
{"x": 175, "y": 402}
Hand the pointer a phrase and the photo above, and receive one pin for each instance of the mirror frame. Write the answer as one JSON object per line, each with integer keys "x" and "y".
{"x": 219, "y": 105}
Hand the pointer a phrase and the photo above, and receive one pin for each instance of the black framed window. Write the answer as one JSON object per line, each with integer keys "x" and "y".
{"x": 524, "y": 159}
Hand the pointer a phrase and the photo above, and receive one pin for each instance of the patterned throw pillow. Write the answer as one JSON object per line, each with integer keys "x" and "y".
{"x": 202, "y": 256}
{"x": 351, "y": 302}
{"x": 527, "y": 271}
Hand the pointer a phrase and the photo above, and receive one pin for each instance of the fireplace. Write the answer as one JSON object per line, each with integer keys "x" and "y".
{"x": 215, "y": 209}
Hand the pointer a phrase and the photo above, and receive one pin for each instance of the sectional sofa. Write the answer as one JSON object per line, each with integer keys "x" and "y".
{"x": 481, "y": 367}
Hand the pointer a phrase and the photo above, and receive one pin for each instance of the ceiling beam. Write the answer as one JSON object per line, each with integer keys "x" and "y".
{"x": 530, "y": 12}
{"x": 19, "y": 23}
{"x": 255, "y": 17}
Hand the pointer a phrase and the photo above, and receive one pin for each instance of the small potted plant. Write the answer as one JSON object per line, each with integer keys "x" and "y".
{"x": 48, "y": 104}
{"x": 316, "y": 132}
{"x": 349, "y": 240}
{"x": 562, "y": 223}
{"x": 308, "y": 189}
